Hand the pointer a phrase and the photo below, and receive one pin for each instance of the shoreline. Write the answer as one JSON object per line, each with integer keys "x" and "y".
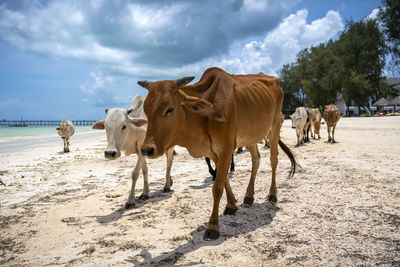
{"x": 20, "y": 143}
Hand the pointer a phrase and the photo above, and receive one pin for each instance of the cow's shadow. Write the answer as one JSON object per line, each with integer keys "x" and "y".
{"x": 121, "y": 211}
{"x": 330, "y": 142}
{"x": 208, "y": 182}
{"x": 251, "y": 218}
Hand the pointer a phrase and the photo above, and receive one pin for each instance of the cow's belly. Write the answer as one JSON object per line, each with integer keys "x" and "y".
{"x": 254, "y": 119}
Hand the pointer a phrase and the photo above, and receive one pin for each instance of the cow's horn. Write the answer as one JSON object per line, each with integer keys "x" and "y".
{"x": 144, "y": 84}
{"x": 183, "y": 81}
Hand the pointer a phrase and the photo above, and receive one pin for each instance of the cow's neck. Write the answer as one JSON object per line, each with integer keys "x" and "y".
{"x": 194, "y": 136}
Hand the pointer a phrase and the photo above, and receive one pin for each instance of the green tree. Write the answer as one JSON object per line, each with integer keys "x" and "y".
{"x": 319, "y": 70}
{"x": 389, "y": 16}
{"x": 361, "y": 50}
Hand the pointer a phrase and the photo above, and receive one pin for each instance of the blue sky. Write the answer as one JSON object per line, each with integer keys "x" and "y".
{"x": 73, "y": 59}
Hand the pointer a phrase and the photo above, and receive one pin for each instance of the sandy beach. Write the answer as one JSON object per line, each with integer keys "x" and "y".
{"x": 342, "y": 208}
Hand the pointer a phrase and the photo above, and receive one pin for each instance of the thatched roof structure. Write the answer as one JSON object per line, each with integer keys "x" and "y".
{"x": 394, "y": 102}
{"x": 381, "y": 102}
{"x": 388, "y": 102}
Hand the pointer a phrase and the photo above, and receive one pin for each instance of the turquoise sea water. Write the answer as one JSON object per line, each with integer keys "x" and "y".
{"x": 6, "y": 131}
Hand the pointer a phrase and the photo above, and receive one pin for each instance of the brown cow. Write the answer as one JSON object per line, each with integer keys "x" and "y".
{"x": 331, "y": 116}
{"x": 266, "y": 137}
{"x": 213, "y": 117}
{"x": 316, "y": 123}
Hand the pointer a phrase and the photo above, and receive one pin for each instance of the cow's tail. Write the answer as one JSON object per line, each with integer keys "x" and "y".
{"x": 292, "y": 158}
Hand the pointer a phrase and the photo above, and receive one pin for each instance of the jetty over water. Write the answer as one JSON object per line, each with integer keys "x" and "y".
{"x": 42, "y": 122}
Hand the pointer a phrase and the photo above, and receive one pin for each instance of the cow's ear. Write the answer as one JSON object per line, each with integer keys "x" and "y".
{"x": 183, "y": 81}
{"x": 145, "y": 84}
{"x": 98, "y": 125}
{"x": 195, "y": 104}
{"x": 58, "y": 128}
{"x": 106, "y": 111}
{"x": 138, "y": 122}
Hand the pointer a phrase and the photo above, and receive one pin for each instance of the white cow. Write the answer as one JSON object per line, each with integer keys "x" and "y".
{"x": 299, "y": 119}
{"x": 122, "y": 135}
{"x": 66, "y": 129}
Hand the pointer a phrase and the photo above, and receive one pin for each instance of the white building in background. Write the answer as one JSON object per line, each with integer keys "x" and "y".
{"x": 340, "y": 103}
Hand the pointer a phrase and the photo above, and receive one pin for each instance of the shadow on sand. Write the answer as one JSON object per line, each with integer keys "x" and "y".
{"x": 247, "y": 219}
{"x": 122, "y": 211}
{"x": 208, "y": 182}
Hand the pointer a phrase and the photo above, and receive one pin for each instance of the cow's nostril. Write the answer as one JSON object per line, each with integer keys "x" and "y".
{"x": 149, "y": 151}
{"x": 110, "y": 154}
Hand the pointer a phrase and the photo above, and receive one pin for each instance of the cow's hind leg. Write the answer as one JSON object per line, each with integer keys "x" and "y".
{"x": 274, "y": 163}
{"x": 210, "y": 169}
{"x": 135, "y": 174}
{"x": 329, "y": 132}
{"x": 168, "y": 179}
{"x": 255, "y": 163}
{"x": 333, "y": 133}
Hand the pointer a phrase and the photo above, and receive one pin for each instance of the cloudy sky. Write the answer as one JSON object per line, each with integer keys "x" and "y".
{"x": 72, "y": 59}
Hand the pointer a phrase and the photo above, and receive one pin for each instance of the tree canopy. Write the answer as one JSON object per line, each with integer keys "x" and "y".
{"x": 351, "y": 66}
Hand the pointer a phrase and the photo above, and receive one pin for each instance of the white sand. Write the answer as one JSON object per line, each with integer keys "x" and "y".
{"x": 342, "y": 208}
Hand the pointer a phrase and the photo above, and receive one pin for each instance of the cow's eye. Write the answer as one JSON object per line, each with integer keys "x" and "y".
{"x": 169, "y": 111}
{"x": 124, "y": 127}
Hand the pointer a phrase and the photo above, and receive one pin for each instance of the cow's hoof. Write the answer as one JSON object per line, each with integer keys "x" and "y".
{"x": 272, "y": 199}
{"x": 230, "y": 211}
{"x": 166, "y": 190}
{"x": 66, "y": 150}
{"x": 143, "y": 197}
{"x": 248, "y": 200}
{"x": 129, "y": 206}
{"x": 333, "y": 141}
{"x": 211, "y": 235}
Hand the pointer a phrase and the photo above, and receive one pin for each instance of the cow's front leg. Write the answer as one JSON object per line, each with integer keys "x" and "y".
{"x": 168, "y": 180}
{"x": 66, "y": 149}
{"x": 146, "y": 191}
{"x": 298, "y": 136}
{"x": 212, "y": 231}
{"x": 135, "y": 174}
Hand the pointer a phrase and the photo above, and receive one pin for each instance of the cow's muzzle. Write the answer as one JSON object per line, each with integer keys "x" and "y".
{"x": 147, "y": 151}
{"x": 110, "y": 154}
{"x": 293, "y": 127}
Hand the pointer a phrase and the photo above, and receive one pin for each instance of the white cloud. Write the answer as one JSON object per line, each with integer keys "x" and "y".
{"x": 374, "y": 14}
{"x": 281, "y": 45}
{"x": 164, "y": 38}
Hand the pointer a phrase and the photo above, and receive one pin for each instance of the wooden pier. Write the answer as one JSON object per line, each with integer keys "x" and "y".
{"x": 42, "y": 122}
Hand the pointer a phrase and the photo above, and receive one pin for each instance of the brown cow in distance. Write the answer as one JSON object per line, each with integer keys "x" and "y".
{"x": 210, "y": 119}
{"x": 316, "y": 123}
{"x": 331, "y": 117}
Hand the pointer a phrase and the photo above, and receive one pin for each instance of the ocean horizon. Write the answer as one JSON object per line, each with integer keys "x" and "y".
{"x": 8, "y": 133}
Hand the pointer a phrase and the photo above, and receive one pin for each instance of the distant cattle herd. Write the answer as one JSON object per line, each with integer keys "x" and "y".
{"x": 210, "y": 118}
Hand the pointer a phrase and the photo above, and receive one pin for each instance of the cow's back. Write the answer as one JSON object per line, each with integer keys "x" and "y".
{"x": 316, "y": 115}
{"x": 259, "y": 101}
{"x": 243, "y": 105}
{"x": 66, "y": 129}
{"x": 331, "y": 114}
